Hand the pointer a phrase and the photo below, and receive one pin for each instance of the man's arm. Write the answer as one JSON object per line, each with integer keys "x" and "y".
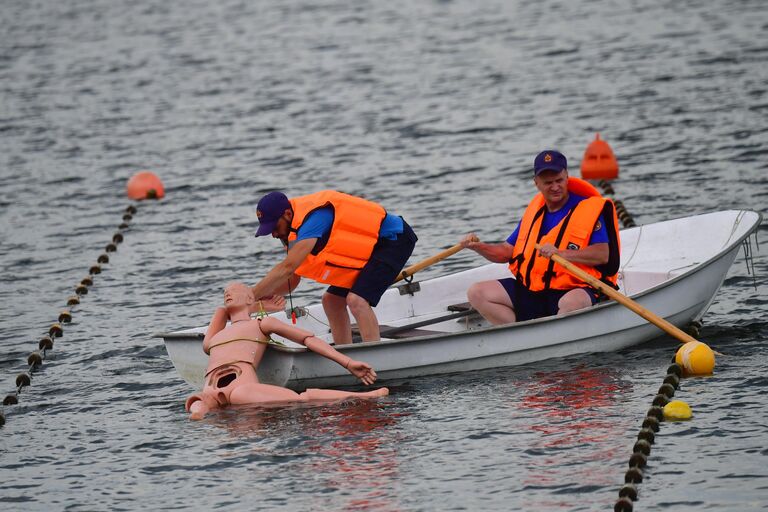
{"x": 497, "y": 253}
{"x": 288, "y": 286}
{"x": 591, "y": 255}
{"x": 277, "y": 279}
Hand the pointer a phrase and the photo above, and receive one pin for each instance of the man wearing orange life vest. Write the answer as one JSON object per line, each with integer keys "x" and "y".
{"x": 350, "y": 243}
{"x": 569, "y": 218}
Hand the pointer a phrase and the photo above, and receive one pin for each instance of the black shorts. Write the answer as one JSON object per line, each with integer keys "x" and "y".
{"x": 387, "y": 260}
{"x": 529, "y": 305}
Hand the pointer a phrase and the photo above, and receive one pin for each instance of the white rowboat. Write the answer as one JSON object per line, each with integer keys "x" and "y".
{"x": 672, "y": 268}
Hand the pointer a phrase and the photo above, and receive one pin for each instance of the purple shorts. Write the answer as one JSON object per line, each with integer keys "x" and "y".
{"x": 387, "y": 260}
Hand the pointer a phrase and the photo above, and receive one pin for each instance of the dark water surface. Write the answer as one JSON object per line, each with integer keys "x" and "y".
{"x": 433, "y": 108}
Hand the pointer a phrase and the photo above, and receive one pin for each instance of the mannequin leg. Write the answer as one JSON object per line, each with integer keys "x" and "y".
{"x": 256, "y": 393}
{"x": 334, "y": 394}
{"x": 198, "y": 405}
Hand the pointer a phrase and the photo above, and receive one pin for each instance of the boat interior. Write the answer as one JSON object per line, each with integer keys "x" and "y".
{"x": 651, "y": 255}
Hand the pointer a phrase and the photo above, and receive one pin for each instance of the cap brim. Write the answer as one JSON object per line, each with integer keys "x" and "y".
{"x": 555, "y": 169}
{"x": 266, "y": 228}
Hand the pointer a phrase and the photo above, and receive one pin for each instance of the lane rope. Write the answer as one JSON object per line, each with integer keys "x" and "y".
{"x": 56, "y": 329}
{"x": 646, "y": 438}
{"x": 621, "y": 210}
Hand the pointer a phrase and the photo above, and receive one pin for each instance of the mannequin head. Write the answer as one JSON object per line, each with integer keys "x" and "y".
{"x": 237, "y": 295}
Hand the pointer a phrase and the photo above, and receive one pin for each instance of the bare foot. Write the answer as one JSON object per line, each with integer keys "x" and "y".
{"x": 378, "y": 392}
{"x": 197, "y": 410}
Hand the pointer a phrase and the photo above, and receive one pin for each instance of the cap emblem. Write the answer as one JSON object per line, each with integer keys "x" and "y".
{"x": 547, "y": 157}
{"x": 259, "y": 214}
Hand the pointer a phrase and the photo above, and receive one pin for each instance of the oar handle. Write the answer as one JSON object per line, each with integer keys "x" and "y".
{"x": 622, "y": 299}
{"x": 427, "y": 262}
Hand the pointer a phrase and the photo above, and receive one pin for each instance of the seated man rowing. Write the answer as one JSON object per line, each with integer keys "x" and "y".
{"x": 236, "y": 350}
{"x": 569, "y": 218}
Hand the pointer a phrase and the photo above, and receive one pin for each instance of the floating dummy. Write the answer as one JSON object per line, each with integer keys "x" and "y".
{"x": 236, "y": 349}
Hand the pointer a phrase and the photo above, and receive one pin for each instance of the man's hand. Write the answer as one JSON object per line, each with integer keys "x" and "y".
{"x": 469, "y": 241}
{"x": 547, "y": 250}
{"x": 362, "y": 371}
{"x": 271, "y": 304}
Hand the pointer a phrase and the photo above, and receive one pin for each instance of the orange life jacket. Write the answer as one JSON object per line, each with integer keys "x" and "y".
{"x": 538, "y": 273}
{"x": 355, "y": 230}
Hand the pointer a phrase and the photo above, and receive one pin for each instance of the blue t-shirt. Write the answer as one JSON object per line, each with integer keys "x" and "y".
{"x": 552, "y": 219}
{"x": 318, "y": 224}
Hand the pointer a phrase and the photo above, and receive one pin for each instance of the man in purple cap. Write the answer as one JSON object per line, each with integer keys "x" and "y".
{"x": 569, "y": 218}
{"x": 345, "y": 241}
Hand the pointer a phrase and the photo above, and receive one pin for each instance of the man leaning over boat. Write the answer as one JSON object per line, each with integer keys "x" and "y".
{"x": 345, "y": 241}
{"x": 568, "y": 217}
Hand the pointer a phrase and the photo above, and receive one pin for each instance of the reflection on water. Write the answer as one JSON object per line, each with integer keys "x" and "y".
{"x": 572, "y": 427}
{"x": 352, "y": 446}
{"x": 363, "y": 454}
{"x": 571, "y": 402}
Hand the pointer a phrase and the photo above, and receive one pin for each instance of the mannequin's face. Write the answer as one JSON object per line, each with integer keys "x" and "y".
{"x": 237, "y": 294}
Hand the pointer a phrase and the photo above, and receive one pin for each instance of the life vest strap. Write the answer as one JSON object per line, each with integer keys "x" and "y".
{"x": 550, "y": 272}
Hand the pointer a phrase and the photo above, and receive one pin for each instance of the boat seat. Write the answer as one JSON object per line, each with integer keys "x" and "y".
{"x": 463, "y": 306}
{"x": 410, "y": 333}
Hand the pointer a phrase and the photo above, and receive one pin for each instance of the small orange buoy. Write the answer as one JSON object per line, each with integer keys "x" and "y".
{"x": 145, "y": 185}
{"x": 599, "y": 162}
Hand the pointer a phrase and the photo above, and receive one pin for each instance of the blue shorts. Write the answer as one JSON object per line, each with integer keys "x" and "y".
{"x": 529, "y": 305}
{"x": 387, "y": 260}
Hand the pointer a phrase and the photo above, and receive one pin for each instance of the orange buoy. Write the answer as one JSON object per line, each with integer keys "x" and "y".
{"x": 599, "y": 162}
{"x": 145, "y": 185}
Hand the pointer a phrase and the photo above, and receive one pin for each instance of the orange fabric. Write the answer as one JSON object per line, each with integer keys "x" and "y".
{"x": 538, "y": 273}
{"x": 355, "y": 231}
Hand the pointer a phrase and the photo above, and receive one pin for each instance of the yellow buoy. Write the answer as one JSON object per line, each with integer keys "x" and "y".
{"x": 677, "y": 410}
{"x": 696, "y": 358}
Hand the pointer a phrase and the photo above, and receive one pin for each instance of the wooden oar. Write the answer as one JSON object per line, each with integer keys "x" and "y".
{"x": 623, "y": 299}
{"x": 427, "y": 262}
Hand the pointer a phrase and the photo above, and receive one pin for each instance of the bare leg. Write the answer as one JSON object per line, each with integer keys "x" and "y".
{"x": 335, "y": 308}
{"x": 258, "y": 393}
{"x": 333, "y": 394}
{"x": 366, "y": 318}
{"x": 491, "y": 300}
{"x": 573, "y": 300}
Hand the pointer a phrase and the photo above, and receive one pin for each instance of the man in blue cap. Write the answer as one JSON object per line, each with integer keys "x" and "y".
{"x": 569, "y": 218}
{"x": 345, "y": 241}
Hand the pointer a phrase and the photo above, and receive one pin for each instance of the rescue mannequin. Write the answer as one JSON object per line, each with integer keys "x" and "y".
{"x": 236, "y": 349}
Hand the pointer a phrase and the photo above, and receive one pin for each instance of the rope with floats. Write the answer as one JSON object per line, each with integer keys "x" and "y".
{"x": 692, "y": 359}
{"x": 143, "y": 185}
{"x": 646, "y": 438}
